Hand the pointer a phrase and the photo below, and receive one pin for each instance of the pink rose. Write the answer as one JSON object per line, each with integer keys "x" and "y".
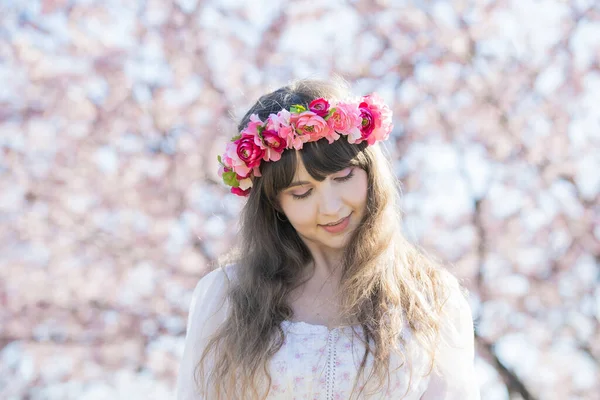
{"x": 248, "y": 152}
{"x": 309, "y": 126}
{"x": 278, "y": 121}
{"x": 232, "y": 160}
{"x": 368, "y": 120}
{"x": 331, "y": 136}
{"x": 292, "y": 139}
{"x": 281, "y": 124}
{"x": 253, "y": 125}
{"x": 377, "y": 119}
{"x": 320, "y": 107}
{"x": 346, "y": 120}
{"x": 273, "y": 141}
{"x": 274, "y": 145}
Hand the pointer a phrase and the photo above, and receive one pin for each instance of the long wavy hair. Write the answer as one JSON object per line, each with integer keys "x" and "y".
{"x": 387, "y": 283}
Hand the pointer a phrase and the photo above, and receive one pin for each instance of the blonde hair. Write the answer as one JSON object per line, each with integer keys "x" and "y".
{"x": 387, "y": 283}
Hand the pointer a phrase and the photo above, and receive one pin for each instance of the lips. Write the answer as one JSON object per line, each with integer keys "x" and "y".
{"x": 338, "y": 226}
{"x": 336, "y": 222}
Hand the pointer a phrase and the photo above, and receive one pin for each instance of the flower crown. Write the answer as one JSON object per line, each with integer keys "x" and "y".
{"x": 366, "y": 119}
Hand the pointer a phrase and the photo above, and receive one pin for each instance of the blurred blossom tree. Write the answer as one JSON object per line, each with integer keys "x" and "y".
{"x": 111, "y": 113}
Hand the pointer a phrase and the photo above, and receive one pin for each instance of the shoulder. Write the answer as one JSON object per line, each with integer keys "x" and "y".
{"x": 216, "y": 280}
{"x": 453, "y": 376}
{"x": 210, "y": 294}
{"x": 208, "y": 311}
{"x": 454, "y": 363}
{"x": 457, "y": 318}
{"x": 451, "y": 301}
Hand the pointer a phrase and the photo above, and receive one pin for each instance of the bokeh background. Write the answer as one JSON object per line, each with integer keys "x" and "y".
{"x": 112, "y": 113}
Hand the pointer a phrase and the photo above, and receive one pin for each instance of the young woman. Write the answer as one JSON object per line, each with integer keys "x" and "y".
{"x": 324, "y": 299}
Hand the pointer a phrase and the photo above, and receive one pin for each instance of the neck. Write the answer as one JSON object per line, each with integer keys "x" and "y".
{"x": 325, "y": 268}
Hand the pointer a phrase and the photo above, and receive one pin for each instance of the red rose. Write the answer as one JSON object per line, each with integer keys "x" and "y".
{"x": 273, "y": 141}
{"x": 240, "y": 192}
{"x": 248, "y": 151}
{"x": 368, "y": 121}
{"x": 320, "y": 107}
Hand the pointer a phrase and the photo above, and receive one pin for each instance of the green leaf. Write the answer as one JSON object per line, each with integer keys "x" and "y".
{"x": 230, "y": 179}
{"x": 297, "y": 108}
{"x": 259, "y": 131}
{"x": 233, "y": 139}
{"x": 330, "y": 113}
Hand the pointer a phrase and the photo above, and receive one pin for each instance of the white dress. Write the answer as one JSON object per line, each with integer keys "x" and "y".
{"x": 317, "y": 363}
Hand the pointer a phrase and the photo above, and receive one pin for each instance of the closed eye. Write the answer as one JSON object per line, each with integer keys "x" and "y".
{"x": 302, "y": 196}
{"x": 339, "y": 179}
{"x": 345, "y": 178}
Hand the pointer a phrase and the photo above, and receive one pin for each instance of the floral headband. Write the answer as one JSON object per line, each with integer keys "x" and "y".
{"x": 366, "y": 119}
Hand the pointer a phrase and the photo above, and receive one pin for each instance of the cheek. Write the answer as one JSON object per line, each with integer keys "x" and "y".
{"x": 357, "y": 191}
{"x": 299, "y": 214}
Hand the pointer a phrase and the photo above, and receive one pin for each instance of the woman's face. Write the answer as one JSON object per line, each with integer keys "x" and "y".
{"x": 325, "y": 213}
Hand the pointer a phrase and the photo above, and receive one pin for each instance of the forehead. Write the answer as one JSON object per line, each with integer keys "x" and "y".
{"x": 301, "y": 173}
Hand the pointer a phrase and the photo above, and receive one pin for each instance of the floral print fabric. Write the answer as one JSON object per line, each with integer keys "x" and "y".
{"x": 316, "y": 363}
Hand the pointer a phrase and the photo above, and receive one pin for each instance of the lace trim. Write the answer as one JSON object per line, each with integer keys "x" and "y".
{"x": 302, "y": 327}
{"x": 331, "y": 363}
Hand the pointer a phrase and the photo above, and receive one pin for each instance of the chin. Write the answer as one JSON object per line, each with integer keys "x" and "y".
{"x": 339, "y": 242}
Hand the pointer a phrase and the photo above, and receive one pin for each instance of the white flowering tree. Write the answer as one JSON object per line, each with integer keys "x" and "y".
{"x": 112, "y": 113}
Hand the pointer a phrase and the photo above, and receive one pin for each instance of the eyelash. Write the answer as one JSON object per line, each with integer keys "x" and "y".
{"x": 302, "y": 196}
{"x": 340, "y": 179}
{"x": 345, "y": 178}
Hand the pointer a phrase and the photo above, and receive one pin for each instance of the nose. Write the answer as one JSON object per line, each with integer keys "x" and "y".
{"x": 330, "y": 201}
